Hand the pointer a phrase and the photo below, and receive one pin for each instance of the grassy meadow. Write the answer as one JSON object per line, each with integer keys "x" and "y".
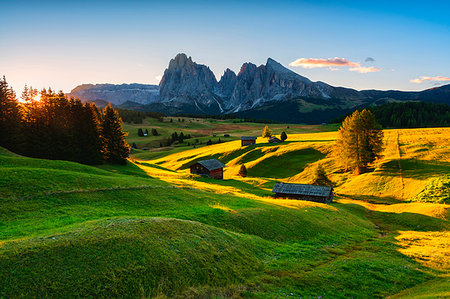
{"x": 151, "y": 229}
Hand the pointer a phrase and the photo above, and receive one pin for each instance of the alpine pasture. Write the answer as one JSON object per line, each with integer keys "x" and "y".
{"x": 151, "y": 229}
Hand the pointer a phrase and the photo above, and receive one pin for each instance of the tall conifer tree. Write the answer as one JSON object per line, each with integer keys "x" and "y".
{"x": 359, "y": 141}
{"x": 116, "y": 148}
{"x": 10, "y": 117}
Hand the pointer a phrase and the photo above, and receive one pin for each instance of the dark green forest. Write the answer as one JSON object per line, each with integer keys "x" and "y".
{"x": 49, "y": 125}
{"x": 136, "y": 117}
{"x": 409, "y": 115}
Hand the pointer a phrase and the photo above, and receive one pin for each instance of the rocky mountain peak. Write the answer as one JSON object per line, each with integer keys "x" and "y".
{"x": 180, "y": 61}
{"x": 227, "y": 75}
{"x": 276, "y": 66}
{"x": 187, "y": 83}
{"x": 247, "y": 68}
{"x": 227, "y": 84}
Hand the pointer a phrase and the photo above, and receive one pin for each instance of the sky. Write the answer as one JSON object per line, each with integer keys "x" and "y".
{"x": 402, "y": 45}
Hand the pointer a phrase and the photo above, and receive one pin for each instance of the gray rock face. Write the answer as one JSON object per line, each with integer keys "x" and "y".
{"x": 188, "y": 83}
{"x": 117, "y": 94}
{"x": 227, "y": 84}
{"x": 272, "y": 82}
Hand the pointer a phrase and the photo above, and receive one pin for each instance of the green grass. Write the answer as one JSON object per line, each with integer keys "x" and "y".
{"x": 69, "y": 230}
{"x": 127, "y": 258}
{"x": 285, "y": 165}
{"x": 202, "y": 130}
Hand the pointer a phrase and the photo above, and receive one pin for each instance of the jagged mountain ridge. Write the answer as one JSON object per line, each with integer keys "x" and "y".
{"x": 188, "y": 87}
{"x": 188, "y": 83}
{"x": 117, "y": 94}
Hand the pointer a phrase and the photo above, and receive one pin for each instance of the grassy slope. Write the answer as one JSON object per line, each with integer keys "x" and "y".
{"x": 102, "y": 237}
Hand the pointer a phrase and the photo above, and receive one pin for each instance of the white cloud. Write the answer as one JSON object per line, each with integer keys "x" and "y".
{"x": 425, "y": 78}
{"x": 364, "y": 69}
{"x": 333, "y": 64}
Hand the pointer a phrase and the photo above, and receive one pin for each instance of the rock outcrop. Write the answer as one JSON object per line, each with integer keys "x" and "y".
{"x": 188, "y": 83}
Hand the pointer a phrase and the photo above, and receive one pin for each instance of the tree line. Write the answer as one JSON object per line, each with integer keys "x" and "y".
{"x": 137, "y": 117}
{"x": 49, "y": 125}
{"x": 409, "y": 115}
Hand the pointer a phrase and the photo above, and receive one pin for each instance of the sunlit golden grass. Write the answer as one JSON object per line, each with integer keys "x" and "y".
{"x": 184, "y": 179}
{"x": 222, "y": 207}
{"x": 308, "y": 248}
{"x": 428, "y": 209}
{"x": 411, "y": 158}
{"x": 407, "y": 165}
{"x": 431, "y": 249}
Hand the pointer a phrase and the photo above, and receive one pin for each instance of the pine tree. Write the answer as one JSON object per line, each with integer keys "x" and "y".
{"x": 266, "y": 133}
{"x": 243, "y": 171}
{"x": 91, "y": 142}
{"x": 283, "y": 136}
{"x": 116, "y": 149}
{"x": 146, "y": 132}
{"x": 359, "y": 140}
{"x": 10, "y": 117}
{"x": 140, "y": 132}
{"x": 209, "y": 142}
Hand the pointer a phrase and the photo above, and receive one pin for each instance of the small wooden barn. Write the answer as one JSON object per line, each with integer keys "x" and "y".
{"x": 212, "y": 168}
{"x": 314, "y": 193}
{"x": 248, "y": 140}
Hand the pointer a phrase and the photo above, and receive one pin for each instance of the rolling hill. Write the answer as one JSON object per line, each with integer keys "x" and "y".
{"x": 151, "y": 229}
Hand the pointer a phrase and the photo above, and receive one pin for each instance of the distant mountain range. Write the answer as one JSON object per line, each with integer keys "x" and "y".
{"x": 268, "y": 91}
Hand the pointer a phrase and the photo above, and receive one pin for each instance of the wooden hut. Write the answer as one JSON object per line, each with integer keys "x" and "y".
{"x": 212, "y": 168}
{"x": 314, "y": 193}
{"x": 248, "y": 140}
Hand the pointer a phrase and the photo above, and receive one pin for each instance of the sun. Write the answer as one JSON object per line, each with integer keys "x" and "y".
{"x": 36, "y": 98}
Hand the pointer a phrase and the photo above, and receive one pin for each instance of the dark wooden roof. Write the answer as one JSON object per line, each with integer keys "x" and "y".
{"x": 248, "y": 138}
{"x": 211, "y": 164}
{"x": 302, "y": 189}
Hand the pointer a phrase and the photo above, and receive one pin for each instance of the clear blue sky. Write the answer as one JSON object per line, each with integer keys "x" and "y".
{"x": 62, "y": 44}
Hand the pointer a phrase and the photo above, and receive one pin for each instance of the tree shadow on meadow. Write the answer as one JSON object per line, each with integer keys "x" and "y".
{"x": 413, "y": 168}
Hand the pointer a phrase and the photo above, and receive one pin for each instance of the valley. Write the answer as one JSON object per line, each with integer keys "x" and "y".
{"x": 152, "y": 229}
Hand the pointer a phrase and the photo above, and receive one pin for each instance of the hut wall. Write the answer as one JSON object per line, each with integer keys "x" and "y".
{"x": 199, "y": 169}
{"x": 247, "y": 142}
{"x": 216, "y": 174}
{"x": 321, "y": 199}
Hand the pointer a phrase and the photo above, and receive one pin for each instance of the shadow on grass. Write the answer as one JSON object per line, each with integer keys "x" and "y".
{"x": 375, "y": 199}
{"x": 228, "y": 156}
{"x": 413, "y": 168}
{"x": 404, "y": 221}
{"x": 285, "y": 165}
